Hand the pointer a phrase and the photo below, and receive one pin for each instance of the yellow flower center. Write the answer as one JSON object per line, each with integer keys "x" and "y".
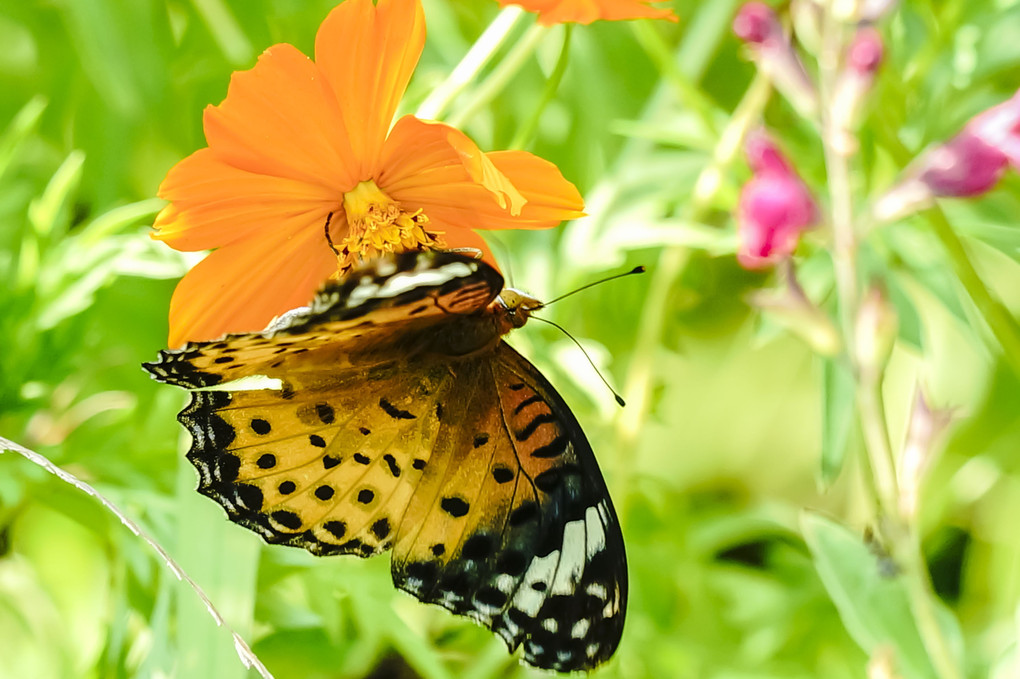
{"x": 377, "y": 224}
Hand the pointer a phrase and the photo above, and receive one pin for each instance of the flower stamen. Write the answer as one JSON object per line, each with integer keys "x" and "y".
{"x": 378, "y": 224}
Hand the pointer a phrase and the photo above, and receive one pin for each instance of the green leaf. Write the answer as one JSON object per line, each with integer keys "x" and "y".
{"x": 875, "y": 608}
{"x": 837, "y": 417}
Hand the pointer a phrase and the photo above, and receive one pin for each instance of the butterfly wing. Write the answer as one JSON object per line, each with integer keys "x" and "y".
{"x": 512, "y": 524}
{"x": 390, "y": 430}
{"x": 329, "y": 461}
{"x": 328, "y": 470}
{"x": 374, "y": 314}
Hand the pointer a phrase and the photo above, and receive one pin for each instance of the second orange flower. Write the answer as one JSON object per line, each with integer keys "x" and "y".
{"x": 296, "y": 141}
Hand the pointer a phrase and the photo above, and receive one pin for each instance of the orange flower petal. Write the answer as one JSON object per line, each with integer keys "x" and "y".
{"x": 421, "y": 153}
{"x": 552, "y": 12}
{"x": 241, "y": 287}
{"x": 367, "y": 53}
{"x": 214, "y": 204}
{"x": 426, "y": 175}
{"x": 280, "y": 118}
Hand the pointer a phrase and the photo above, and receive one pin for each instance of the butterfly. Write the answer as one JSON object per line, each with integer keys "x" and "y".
{"x": 400, "y": 420}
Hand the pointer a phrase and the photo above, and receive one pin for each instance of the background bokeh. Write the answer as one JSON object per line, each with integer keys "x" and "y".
{"x": 710, "y": 476}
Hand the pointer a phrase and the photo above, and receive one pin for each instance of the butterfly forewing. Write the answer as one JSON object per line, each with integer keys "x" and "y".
{"x": 402, "y": 420}
{"x": 371, "y": 316}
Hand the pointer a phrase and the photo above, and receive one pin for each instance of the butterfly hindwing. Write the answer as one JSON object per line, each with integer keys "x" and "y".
{"x": 513, "y": 525}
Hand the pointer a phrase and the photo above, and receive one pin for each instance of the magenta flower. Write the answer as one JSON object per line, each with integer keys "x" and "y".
{"x": 969, "y": 164}
{"x": 962, "y": 167}
{"x": 757, "y": 25}
{"x": 775, "y": 207}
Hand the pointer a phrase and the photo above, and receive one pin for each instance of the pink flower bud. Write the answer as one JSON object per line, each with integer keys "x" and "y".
{"x": 757, "y": 25}
{"x": 999, "y": 127}
{"x": 969, "y": 164}
{"x": 865, "y": 53}
{"x": 762, "y": 155}
{"x": 850, "y": 94}
{"x": 963, "y": 166}
{"x": 775, "y": 207}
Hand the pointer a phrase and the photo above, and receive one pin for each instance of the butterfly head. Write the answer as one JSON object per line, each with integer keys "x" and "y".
{"x": 517, "y": 307}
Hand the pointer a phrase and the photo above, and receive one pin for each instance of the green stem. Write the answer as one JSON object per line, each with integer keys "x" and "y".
{"x": 501, "y": 75}
{"x": 655, "y": 46}
{"x": 922, "y": 604}
{"x": 897, "y": 530}
{"x": 527, "y": 131}
{"x": 488, "y": 43}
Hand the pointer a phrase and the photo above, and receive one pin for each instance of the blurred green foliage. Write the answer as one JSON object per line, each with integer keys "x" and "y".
{"x": 729, "y": 579}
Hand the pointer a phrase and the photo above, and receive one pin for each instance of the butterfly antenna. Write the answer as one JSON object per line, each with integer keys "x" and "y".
{"x": 329, "y": 239}
{"x": 619, "y": 399}
{"x": 636, "y": 269}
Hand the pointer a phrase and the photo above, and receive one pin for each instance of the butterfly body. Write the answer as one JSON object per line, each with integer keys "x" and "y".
{"x": 403, "y": 421}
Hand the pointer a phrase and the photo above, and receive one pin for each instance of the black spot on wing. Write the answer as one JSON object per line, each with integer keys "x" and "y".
{"x": 532, "y": 426}
{"x": 391, "y": 462}
{"x": 393, "y": 411}
{"x": 554, "y": 448}
{"x": 454, "y": 506}
{"x": 325, "y": 413}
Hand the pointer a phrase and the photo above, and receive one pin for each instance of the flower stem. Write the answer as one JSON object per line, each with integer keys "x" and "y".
{"x": 488, "y": 43}
{"x": 527, "y": 131}
{"x": 651, "y": 40}
{"x": 501, "y": 75}
{"x": 897, "y": 530}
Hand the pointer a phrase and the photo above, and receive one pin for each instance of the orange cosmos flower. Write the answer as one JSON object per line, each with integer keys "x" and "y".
{"x": 586, "y": 11}
{"x": 296, "y": 141}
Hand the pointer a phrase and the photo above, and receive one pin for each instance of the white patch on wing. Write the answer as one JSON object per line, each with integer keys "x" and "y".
{"x": 580, "y": 628}
{"x": 247, "y": 383}
{"x": 527, "y": 599}
{"x": 386, "y": 267}
{"x": 572, "y": 564}
{"x": 550, "y": 625}
{"x": 403, "y": 282}
{"x": 596, "y": 535}
{"x": 365, "y": 291}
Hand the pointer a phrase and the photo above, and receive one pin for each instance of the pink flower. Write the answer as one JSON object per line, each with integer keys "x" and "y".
{"x": 850, "y": 93}
{"x": 969, "y": 164}
{"x": 865, "y": 53}
{"x": 964, "y": 166}
{"x": 775, "y": 207}
{"x": 757, "y": 25}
